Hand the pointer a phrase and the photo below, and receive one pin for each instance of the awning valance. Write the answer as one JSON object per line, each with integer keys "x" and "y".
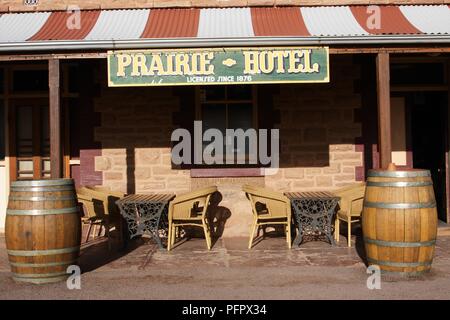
{"x": 194, "y": 27}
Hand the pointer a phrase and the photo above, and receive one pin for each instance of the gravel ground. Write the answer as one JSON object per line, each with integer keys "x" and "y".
{"x": 230, "y": 271}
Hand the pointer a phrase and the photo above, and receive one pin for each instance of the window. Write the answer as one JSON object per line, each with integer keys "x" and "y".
{"x": 228, "y": 107}
{"x": 30, "y": 80}
{"x": 32, "y": 140}
{"x": 424, "y": 73}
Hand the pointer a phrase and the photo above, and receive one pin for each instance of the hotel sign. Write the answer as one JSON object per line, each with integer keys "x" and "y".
{"x": 218, "y": 66}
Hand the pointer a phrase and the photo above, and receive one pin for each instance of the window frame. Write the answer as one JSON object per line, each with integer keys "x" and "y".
{"x": 11, "y": 97}
{"x": 419, "y": 86}
{"x": 37, "y": 157}
{"x": 255, "y": 125}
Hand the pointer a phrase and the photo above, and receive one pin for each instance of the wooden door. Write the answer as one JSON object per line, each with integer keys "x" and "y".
{"x": 429, "y": 138}
{"x": 29, "y": 139}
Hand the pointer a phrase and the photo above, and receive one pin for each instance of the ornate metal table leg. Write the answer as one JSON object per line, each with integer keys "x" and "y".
{"x": 155, "y": 235}
{"x": 128, "y": 222}
{"x": 151, "y": 219}
{"x": 299, "y": 237}
{"x": 122, "y": 226}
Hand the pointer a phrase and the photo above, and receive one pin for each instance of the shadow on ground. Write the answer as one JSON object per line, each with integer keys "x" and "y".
{"x": 95, "y": 254}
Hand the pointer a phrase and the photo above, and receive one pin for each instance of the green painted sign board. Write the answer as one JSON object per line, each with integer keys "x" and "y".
{"x": 218, "y": 66}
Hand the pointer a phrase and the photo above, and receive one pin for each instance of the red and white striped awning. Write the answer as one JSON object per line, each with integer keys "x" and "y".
{"x": 194, "y": 27}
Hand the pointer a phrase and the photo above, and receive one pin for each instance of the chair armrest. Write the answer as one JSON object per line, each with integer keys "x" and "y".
{"x": 264, "y": 193}
{"x": 274, "y": 198}
{"x": 109, "y": 206}
{"x": 95, "y": 206}
{"x": 202, "y": 193}
{"x": 84, "y": 197}
{"x": 180, "y": 206}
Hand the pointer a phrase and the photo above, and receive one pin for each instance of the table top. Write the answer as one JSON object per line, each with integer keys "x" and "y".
{"x": 147, "y": 198}
{"x": 312, "y": 195}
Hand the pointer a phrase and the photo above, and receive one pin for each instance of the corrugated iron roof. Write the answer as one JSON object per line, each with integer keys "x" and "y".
{"x": 392, "y": 21}
{"x": 19, "y": 27}
{"x": 172, "y": 23}
{"x": 331, "y": 21}
{"x": 126, "y": 28}
{"x": 134, "y": 20}
{"x": 62, "y": 26}
{"x": 278, "y": 22}
{"x": 219, "y": 23}
{"x": 428, "y": 19}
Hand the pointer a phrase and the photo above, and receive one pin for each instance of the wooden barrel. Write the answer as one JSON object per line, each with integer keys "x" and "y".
{"x": 399, "y": 221}
{"x": 43, "y": 230}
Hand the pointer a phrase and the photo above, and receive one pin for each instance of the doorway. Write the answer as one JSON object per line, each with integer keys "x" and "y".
{"x": 428, "y": 126}
{"x": 29, "y": 139}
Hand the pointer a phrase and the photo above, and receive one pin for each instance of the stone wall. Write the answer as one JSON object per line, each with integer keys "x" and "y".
{"x": 135, "y": 136}
{"x": 17, "y": 5}
{"x": 235, "y": 211}
{"x": 318, "y": 134}
{"x": 318, "y": 131}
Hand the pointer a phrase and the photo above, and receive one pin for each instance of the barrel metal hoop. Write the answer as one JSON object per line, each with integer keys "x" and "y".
{"x": 41, "y": 212}
{"x": 400, "y": 244}
{"x": 386, "y": 205}
{"x": 399, "y": 264}
{"x": 42, "y": 189}
{"x": 42, "y": 183}
{"x": 39, "y": 275}
{"x": 63, "y": 198}
{"x": 41, "y": 265}
{"x": 399, "y": 174}
{"x": 33, "y": 253}
{"x": 399, "y": 184}
{"x": 41, "y": 280}
{"x": 405, "y": 273}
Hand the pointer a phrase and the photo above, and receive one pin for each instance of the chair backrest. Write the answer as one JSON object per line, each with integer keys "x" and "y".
{"x": 352, "y": 198}
{"x": 267, "y": 203}
{"x": 106, "y": 190}
{"x": 191, "y": 205}
{"x": 106, "y": 198}
{"x": 92, "y": 208}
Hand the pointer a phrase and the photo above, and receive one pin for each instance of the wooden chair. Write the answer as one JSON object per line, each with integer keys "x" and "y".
{"x": 269, "y": 208}
{"x": 350, "y": 208}
{"x": 92, "y": 215}
{"x": 101, "y": 211}
{"x": 190, "y": 210}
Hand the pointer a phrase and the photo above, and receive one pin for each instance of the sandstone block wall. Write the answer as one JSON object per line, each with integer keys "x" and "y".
{"x": 135, "y": 136}
{"x": 317, "y": 126}
{"x": 318, "y": 131}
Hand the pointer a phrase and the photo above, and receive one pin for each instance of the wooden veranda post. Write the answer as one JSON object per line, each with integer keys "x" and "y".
{"x": 384, "y": 109}
{"x": 55, "y": 118}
